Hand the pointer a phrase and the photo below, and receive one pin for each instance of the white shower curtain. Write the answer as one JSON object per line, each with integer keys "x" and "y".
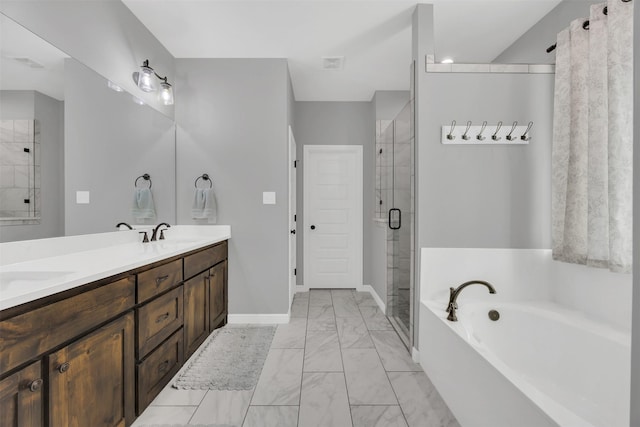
{"x": 593, "y": 140}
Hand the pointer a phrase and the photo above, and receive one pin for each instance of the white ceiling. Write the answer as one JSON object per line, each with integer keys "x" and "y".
{"x": 18, "y": 42}
{"x": 373, "y": 36}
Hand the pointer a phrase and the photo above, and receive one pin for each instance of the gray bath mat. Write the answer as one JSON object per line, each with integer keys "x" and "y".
{"x": 231, "y": 359}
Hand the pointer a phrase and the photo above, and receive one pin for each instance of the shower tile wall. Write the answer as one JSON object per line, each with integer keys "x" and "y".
{"x": 384, "y": 167}
{"x": 19, "y": 169}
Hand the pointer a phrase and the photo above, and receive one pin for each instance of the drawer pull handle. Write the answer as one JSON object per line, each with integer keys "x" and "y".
{"x": 63, "y": 368}
{"x": 35, "y": 385}
{"x": 162, "y": 318}
{"x": 161, "y": 279}
{"x": 163, "y": 366}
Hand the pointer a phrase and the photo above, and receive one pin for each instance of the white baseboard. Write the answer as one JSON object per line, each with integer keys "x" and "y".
{"x": 258, "y": 319}
{"x": 376, "y": 297}
{"x": 415, "y": 355}
{"x": 360, "y": 288}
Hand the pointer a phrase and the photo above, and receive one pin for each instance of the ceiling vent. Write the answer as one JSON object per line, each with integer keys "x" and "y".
{"x": 333, "y": 62}
{"x": 28, "y": 62}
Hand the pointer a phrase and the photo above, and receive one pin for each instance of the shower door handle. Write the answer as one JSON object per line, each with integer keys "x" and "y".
{"x": 399, "y": 218}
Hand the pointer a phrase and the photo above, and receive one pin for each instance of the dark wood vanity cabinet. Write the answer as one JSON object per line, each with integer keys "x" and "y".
{"x": 196, "y": 313}
{"x": 97, "y": 355}
{"x": 91, "y": 381}
{"x": 218, "y": 295}
{"x": 21, "y": 398}
{"x": 205, "y": 295}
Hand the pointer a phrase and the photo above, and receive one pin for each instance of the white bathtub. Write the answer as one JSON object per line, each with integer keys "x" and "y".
{"x": 538, "y": 365}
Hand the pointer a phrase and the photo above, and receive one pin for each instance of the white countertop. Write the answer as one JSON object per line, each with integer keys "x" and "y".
{"x": 48, "y": 266}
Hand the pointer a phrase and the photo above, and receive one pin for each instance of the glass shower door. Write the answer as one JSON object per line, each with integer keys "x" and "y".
{"x": 400, "y": 226}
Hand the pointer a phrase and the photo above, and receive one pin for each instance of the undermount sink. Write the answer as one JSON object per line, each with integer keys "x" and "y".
{"x": 15, "y": 279}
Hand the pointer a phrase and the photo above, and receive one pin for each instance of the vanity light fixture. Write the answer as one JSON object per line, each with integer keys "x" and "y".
{"x": 146, "y": 77}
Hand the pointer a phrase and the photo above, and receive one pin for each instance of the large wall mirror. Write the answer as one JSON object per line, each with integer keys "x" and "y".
{"x": 73, "y": 146}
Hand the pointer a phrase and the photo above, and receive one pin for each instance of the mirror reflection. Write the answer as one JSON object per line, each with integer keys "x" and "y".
{"x": 72, "y": 146}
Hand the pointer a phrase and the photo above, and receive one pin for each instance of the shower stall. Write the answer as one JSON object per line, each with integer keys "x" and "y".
{"x": 395, "y": 204}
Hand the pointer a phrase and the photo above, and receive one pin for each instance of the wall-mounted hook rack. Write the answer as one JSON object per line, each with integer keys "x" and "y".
{"x": 486, "y": 134}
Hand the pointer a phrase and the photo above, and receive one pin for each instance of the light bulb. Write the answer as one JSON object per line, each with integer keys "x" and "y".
{"x": 166, "y": 93}
{"x": 146, "y": 76}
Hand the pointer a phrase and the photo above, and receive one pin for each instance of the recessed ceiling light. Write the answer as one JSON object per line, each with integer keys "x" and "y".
{"x": 447, "y": 61}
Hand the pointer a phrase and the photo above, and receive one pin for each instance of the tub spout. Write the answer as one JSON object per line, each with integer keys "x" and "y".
{"x": 453, "y": 296}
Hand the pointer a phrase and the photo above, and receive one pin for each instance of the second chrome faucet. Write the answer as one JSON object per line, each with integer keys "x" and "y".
{"x": 453, "y": 296}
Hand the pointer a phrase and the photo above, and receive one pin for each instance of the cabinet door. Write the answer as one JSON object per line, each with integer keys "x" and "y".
{"x": 91, "y": 381}
{"x": 217, "y": 295}
{"x": 196, "y": 312}
{"x": 21, "y": 398}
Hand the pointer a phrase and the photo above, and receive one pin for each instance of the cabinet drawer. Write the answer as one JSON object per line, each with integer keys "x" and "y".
{"x": 157, "y": 369}
{"x": 159, "y": 279}
{"x": 158, "y": 319}
{"x": 200, "y": 261}
{"x": 28, "y": 335}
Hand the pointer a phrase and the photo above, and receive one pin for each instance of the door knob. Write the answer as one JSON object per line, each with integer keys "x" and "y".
{"x": 313, "y": 227}
{"x": 293, "y": 231}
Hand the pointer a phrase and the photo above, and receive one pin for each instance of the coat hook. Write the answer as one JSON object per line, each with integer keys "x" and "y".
{"x": 450, "y": 135}
{"x": 513, "y": 127}
{"x": 479, "y": 137}
{"x": 495, "y": 136}
{"x": 525, "y": 136}
{"x": 464, "y": 135}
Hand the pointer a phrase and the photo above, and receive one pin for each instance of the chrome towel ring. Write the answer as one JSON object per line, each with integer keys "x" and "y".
{"x": 204, "y": 177}
{"x": 146, "y": 177}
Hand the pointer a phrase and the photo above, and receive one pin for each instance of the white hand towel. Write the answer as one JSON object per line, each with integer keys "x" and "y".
{"x": 205, "y": 205}
{"x": 143, "y": 206}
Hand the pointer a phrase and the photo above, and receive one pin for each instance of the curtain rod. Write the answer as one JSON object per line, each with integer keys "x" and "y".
{"x": 585, "y": 25}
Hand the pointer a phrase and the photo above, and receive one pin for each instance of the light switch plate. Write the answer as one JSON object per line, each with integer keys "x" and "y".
{"x": 83, "y": 197}
{"x": 269, "y": 198}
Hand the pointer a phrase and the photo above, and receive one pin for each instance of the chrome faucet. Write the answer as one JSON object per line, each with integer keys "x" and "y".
{"x": 453, "y": 296}
{"x": 125, "y": 224}
{"x": 155, "y": 231}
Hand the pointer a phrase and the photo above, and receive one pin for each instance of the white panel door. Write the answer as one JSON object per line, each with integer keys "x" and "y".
{"x": 333, "y": 216}
{"x": 292, "y": 216}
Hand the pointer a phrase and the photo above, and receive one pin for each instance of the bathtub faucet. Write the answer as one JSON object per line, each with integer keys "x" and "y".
{"x": 453, "y": 296}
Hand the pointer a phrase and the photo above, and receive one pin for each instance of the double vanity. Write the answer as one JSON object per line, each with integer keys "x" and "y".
{"x": 93, "y": 327}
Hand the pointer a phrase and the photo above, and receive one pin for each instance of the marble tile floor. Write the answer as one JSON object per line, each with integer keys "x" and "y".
{"x": 337, "y": 363}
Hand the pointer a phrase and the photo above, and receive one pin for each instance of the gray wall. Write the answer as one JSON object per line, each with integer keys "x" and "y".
{"x": 339, "y": 123}
{"x": 110, "y": 141}
{"x": 422, "y": 46}
{"x": 232, "y": 124}
{"x": 532, "y": 46}
{"x": 389, "y": 103}
{"x": 103, "y": 34}
{"x": 50, "y": 114}
{"x": 485, "y": 196}
{"x": 635, "y": 329}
